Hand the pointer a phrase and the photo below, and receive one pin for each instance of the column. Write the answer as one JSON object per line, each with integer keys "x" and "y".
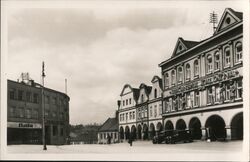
{"x": 228, "y": 132}
{"x": 203, "y": 132}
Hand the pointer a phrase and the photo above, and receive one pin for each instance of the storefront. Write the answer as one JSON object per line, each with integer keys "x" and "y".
{"x": 24, "y": 133}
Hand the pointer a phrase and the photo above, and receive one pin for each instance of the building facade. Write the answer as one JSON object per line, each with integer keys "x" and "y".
{"x": 202, "y": 83}
{"x": 24, "y": 114}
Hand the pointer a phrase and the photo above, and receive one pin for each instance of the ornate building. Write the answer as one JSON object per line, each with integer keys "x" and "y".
{"x": 24, "y": 115}
{"x": 202, "y": 87}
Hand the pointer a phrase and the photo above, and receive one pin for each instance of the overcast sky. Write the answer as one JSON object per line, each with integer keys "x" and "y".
{"x": 100, "y": 49}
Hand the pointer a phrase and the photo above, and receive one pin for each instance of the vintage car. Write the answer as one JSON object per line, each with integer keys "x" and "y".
{"x": 161, "y": 136}
{"x": 179, "y": 136}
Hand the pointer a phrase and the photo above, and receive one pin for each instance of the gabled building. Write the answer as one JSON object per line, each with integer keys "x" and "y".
{"x": 202, "y": 83}
{"x": 109, "y": 128}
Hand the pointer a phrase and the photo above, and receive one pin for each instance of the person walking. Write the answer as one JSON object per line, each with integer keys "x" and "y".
{"x": 130, "y": 140}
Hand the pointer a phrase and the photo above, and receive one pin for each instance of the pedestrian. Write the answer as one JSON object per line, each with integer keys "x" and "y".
{"x": 130, "y": 140}
{"x": 109, "y": 139}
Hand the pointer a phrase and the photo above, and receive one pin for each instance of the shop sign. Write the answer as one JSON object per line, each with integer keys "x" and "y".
{"x": 23, "y": 125}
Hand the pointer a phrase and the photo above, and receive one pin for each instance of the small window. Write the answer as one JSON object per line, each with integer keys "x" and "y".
{"x": 28, "y": 96}
{"x": 196, "y": 98}
{"x": 35, "y": 114}
{"x": 166, "y": 80}
{"x": 20, "y": 95}
{"x": 28, "y": 113}
{"x": 35, "y": 98}
{"x": 12, "y": 94}
{"x": 210, "y": 95}
{"x": 142, "y": 98}
{"x": 21, "y": 112}
{"x": 180, "y": 74}
{"x": 61, "y": 133}
{"x": 130, "y": 101}
{"x": 238, "y": 52}
{"x": 209, "y": 64}
{"x": 155, "y": 93}
{"x": 173, "y": 77}
{"x": 123, "y": 103}
{"x": 188, "y": 72}
{"x": 47, "y": 99}
{"x": 227, "y": 57}
{"x": 217, "y": 61}
{"x": 196, "y": 68}
{"x": 239, "y": 89}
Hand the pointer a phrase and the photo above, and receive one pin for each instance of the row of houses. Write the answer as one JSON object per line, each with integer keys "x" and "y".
{"x": 200, "y": 89}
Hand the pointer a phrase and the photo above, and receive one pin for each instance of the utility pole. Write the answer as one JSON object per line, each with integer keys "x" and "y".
{"x": 213, "y": 19}
{"x": 43, "y": 109}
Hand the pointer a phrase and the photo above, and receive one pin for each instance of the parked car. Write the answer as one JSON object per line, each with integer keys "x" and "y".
{"x": 179, "y": 136}
{"x": 162, "y": 136}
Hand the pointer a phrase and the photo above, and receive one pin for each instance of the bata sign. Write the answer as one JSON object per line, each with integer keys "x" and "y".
{"x": 24, "y": 125}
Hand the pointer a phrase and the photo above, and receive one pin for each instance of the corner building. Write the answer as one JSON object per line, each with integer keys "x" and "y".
{"x": 24, "y": 114}
{"x": 202, "y": 83}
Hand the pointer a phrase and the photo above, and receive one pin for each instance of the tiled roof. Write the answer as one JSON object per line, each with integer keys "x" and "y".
{"x": 238, "y": 14}
{"x": 190, "y": 44}
{"x": 110, "y": 125}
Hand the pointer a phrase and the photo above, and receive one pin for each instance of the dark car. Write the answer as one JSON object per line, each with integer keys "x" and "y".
{"x": 162, "y": 136}
{"x": 179, "y": 136}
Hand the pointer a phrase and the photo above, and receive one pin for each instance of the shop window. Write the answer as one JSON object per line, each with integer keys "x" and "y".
{"x": 217, "y": 61}
{"x": 173, "y": 77}
{"x": 55, "y": 130}
{"x": 238, "y": 52}
{"x": 166, "y": 80}
{"x": 196, "y": 98}
{"x": 20, "y": 95}
{"x": 188, "y": 72}
{"x": 196, "y": 68}
{"x": 227, "y": 57}
{"x": 210, "y": 95}
{"x": 61, "y": 132}
{"x": 180, "y": 74}
{"x": 209, "y": 63}
{"x": 12, "y": 94}
{"x": 239, "y": 89}
{"x": 35, "y": 98}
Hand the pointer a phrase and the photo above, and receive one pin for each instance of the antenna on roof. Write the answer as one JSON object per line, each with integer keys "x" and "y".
{"x": 213, "y": 19}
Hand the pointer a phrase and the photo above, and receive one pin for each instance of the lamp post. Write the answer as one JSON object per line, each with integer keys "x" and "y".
{"x": 43, "y": 109}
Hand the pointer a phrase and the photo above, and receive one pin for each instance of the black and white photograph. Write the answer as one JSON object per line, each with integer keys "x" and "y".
{"x": 125, "y": 80}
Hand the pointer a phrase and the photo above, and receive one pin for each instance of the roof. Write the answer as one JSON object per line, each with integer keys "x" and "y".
{"x": 189, "y": 43}
{"x": 136, "y": 92}
{"x": 238, "y": 14}
{"x": 147, "y": 88}
{"x": 110, "y": 125}
{"x": 159, "y": 79}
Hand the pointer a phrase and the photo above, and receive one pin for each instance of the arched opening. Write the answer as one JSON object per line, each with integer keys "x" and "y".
{"x": 121, "y": 133}
{"x": 127, "y": 132}
{"x": 152, "y": 130}
{"x": 181, "y": 125}
{"x": 169, "y": 125}
{"x": 195, "y": 128}
{"x": 237, "y": 127}
{"x": 159, "y": 127}
{"x": 215, "y": 126}
{"x": 133, "y": 132}
{"x": 139, "y": 131}
{"x": 145, "y": 132}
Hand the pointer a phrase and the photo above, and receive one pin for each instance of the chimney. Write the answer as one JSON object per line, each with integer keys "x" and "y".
{"x": 116, "y": 114}
{"x": 119, "y": 104}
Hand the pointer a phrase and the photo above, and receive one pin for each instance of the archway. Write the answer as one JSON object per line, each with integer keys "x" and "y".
{"x": 237, "y": 127}
{"x": 133, "y": 132}
{"x": 127, "y": 132}
{"x": 169, "y": 125}
{"x": 195, "y": 128}
{"x": 215, "y": 128}
{"x": 181, "y": 125}
{"x": 145, "y": 132}
{"x": 159, "y": 127}
{"x": 121, "y": 133}
{"x": 139, "y": 131}
{"x": 152, "y": 130}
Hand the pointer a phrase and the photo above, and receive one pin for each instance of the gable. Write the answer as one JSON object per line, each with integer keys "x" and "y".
{"x": 179, "y": 47}
{"x": 228, "y": 19}
{"x": 126, "y": 89}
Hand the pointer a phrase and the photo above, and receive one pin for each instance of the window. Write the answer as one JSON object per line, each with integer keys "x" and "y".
{"x": 54, "y": 100}
{"x": 155, "y": 93}
{"x": 61, "y": 115}
{"x": 166, "y": 80}
{"x": 228, "y": 92}
{"x": 54, "y": 114}
{"x": 239, "y": 89}
{"x": 120, "y": 117}
{"x": 126, "y": 116}
{"x": 123, "y": 103}
{"x": 12, "y": 94}
{"x": 142, "y": 98}
{"x": 238, "y": 52}
{"x": 160, "y": 109}
{"x": 196, "y": 68}
{"x": 130, "y": 101}
{"x": 227, "y": 57}
{"x": 101, "y": 135}
{"x": 28, "y": 113}
{"x": 188, "y": 72}
{"x": 21, "y": 112}
{"x": 133, "y": 114}
{"x": 35, "y": 98}
{"x": 210, "y": 95}
{"x": 188, "y": 99}
{"x": 115, "y": 135}
{"x": 150, "y": 111}
{"x": 55, "y": 131}
{"x": 46, "y": 113}
{"x": 209, "y": 63}
{"x": 47, "y": 99}
{"x": 217, "y": 61}
{"x": 196, "y": 98}
{"x": 180, "y": 74}
{"x": 126, "y": 101}
{"x": 28, "y": 96}
{"x": 130, "y": 115}
{"x": 12, "y": 111}
{"x": 170, "y": 104}
{"x": 20, "y": 95}
{"x": 173, "y": 77}
{"x": 145, "y": 112}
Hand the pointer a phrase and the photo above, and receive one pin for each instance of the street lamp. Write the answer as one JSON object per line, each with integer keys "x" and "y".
{"x": 43, "y": 109}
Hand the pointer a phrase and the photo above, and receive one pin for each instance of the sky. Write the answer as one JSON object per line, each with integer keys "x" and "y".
{"x": 100, "y": 48}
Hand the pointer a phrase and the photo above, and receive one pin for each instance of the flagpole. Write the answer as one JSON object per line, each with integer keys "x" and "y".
{"x": 43, "y": 109}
